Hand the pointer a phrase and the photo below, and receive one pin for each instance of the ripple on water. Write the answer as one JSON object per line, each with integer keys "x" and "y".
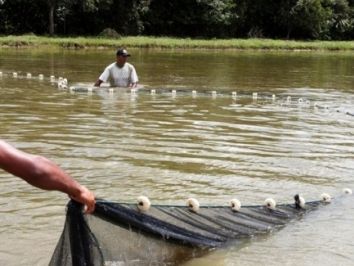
{"x": 173, "y": 148}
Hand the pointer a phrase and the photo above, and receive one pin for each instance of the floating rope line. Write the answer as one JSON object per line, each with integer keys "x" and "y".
{"x": 62, "y": 84}
{"x": 145, "y": 234}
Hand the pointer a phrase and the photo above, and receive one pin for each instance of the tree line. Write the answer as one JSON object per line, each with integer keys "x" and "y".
{"x": 279, "y": 19}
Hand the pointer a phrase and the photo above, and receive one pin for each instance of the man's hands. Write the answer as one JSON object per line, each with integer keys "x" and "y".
{"x": 85, "y": 197}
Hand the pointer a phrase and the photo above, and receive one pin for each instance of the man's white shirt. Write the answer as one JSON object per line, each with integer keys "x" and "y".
{"x": 119, "y": 77}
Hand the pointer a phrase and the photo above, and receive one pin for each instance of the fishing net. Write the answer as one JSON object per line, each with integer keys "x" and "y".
{"x": 121, "y": 234}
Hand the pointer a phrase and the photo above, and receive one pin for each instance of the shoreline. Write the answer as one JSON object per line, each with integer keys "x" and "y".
{"x": 80, "y": 43}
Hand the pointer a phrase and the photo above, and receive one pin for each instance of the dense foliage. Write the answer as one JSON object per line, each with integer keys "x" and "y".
{"x": 284, "y": 19}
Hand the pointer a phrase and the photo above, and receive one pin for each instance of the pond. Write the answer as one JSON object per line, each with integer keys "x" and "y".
{"x": 295, "y": 136}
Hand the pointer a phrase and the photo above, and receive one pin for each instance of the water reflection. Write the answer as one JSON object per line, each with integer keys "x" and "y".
{"x": 171, "y": 147}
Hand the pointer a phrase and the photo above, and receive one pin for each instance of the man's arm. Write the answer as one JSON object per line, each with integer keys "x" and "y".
{"x": 103, "y": 77}
{"x": 133, "y": 78}
{"x": 133, "y": 85}
{"x": 43, "y": 173}
{"x": 98, "y": 83}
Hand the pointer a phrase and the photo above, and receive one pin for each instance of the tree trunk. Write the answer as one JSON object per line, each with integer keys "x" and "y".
{"x": 51, "y": 17}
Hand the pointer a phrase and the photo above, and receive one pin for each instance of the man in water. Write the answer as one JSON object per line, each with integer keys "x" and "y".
{"x": 43, "y": 173}
{"x": 119, "y": 73}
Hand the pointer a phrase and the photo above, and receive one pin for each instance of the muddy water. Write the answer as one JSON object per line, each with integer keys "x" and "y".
{"x": 174, "y": 146}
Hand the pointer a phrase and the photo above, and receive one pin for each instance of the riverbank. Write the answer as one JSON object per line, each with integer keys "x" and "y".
{"x": 171, "y": 43}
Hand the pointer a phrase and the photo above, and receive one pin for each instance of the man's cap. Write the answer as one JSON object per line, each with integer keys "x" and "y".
{"x": 122, "y": 52}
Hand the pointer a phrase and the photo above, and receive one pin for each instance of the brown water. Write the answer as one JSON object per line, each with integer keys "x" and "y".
{"x": 171, "y": 147}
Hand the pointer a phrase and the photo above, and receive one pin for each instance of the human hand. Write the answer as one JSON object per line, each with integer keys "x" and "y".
{"x": 85, "y": 197}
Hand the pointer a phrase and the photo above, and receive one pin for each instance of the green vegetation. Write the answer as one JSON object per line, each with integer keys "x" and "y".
{"x": 203, "y": 19}
{"x": 171, "y": 43}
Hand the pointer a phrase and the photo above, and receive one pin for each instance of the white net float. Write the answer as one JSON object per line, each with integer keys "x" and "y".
{"x": 326, "y": 197}
{"x": 254, "y": 96}
{"x": 143, "y": 203}
{"x": 299, "y": 201}
{"x": 193, "y": 205}
{"x": 235, "y": 205}
{"x": 270, "y": 203}
{"x": 347, "y": 191}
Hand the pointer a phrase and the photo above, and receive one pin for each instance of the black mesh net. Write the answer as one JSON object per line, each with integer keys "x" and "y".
{"x": 121, "y": 234}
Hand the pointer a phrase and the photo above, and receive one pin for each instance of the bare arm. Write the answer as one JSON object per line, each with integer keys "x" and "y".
{"x": 98, "y": 83}
{"x": 43, "y": 173}
{"x": 133, "y": 85}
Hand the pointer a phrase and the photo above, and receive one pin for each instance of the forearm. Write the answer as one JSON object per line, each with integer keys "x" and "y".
{"x": 47, "y": 175}
{"x": 36, "y": 170}
{"x": 43, "y": 173}
{"x": 98, "y": 83}
{"x": 133, "y": 85}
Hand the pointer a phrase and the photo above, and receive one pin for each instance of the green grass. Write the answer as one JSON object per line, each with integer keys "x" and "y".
{"x": 171, "y": 43}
